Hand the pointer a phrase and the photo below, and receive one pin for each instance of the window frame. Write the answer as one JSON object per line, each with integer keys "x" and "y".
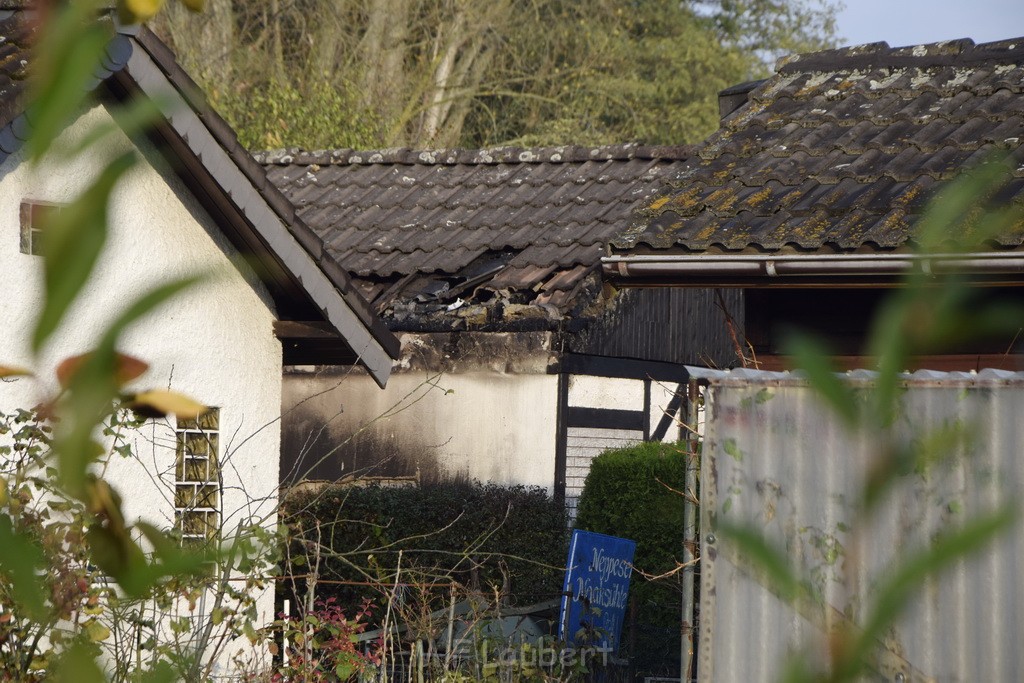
{"x": 198, "y": 488}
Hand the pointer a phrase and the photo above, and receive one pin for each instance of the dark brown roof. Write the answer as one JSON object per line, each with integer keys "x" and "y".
{"x": 307, "y": 285}
{"x": 424, "y": 230}
{"x": 16, "y": 35}
{"x": 841, "y": 149}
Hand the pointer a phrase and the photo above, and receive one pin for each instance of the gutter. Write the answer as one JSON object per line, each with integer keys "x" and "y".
{"x": 745, "y": 269}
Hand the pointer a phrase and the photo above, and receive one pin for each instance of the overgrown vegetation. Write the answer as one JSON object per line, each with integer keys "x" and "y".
{"x": 636, "y": 493}
{"x": 504, "y": 542}
{"x": 435, "y": 73}
{"x": 90, "y": 594}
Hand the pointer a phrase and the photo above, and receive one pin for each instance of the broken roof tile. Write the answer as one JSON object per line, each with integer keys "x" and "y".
{"x": 395, "y": 213}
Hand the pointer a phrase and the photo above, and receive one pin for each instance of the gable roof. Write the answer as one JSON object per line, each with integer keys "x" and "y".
{"x": 471, "y": 238}
{"x": 306, "y": 284}
{"x": 838, "y": 153}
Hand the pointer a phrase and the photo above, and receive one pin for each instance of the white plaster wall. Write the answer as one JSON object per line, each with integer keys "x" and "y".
{"x": 215, "y": 342}
{"x": 662, "y": 394}
{"x": 606, "y": 392}
{"x": 495, "y": 427}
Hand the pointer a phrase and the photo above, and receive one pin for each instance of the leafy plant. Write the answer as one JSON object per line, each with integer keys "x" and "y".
{"x": 634, "y": 493}
{"x": 483, "y": 536}
{"x": 86, "y": 593}
{"x": 321, "y": 645}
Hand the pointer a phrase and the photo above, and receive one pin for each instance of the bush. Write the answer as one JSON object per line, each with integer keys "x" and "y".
{"x": 485, "y": 537}
{"x": 629, "y": 493}
{"x": 626, "y": 495}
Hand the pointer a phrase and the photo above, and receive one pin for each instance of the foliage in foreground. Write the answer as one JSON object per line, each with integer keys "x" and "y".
{"x": 88, "y": 594}
{"x": 933, "y": 311}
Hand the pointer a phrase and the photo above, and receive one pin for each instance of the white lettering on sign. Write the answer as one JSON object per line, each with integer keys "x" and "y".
{"x": 598, "y": 594}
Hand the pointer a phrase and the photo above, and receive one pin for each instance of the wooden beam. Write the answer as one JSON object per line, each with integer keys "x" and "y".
{"x": 304, "y": 329}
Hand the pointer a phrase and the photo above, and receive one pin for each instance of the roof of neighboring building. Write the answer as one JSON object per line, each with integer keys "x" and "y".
{"x": 471, "y": 237}
{"x": 840, "y": 150}
{"x": 306, "y": 283}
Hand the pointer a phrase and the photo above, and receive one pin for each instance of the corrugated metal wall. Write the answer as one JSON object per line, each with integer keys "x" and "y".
{"x": 775, "y": 458}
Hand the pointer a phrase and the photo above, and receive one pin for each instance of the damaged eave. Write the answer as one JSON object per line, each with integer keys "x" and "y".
{"x": 748, "y": 270}
{"x": 293, "y": 273}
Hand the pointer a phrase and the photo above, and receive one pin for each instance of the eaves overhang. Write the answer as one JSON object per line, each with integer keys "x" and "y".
{"x": 324, "y": 319}
{"x": 290, "y": 257}
{"x": 804, "y": 270}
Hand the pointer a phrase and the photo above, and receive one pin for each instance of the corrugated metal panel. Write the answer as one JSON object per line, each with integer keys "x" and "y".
{"x": 776, "y": 459}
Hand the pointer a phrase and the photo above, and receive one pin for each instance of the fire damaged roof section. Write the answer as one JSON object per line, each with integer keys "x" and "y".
{"x": 472, "y": 239}
{"x": 841, "y": 149}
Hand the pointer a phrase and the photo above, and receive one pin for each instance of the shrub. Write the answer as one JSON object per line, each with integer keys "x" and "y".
{"x": 632, "y": 493}
{"x": 627, "y": 493}
{"x": 483, "y": 536}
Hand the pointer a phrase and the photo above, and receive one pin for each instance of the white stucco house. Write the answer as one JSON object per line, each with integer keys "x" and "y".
{"x": 196, "y": 201}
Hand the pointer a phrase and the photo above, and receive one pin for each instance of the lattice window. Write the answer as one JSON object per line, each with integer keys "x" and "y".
{"x": 197, "y": 482}
{"x": 33, "y": 217}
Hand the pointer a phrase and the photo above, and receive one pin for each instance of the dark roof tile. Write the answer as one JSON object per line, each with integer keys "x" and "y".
{"x": 393, "y": 214}
{"x": 842, "y": 149}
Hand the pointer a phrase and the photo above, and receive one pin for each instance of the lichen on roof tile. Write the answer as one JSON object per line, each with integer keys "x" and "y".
{"x": 852, "y": 142}
{"x": 388, "y": 215}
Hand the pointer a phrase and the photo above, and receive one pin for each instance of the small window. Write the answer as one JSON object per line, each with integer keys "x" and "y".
{"x": 197, "y": 483}
{"x": 33, "y": 218}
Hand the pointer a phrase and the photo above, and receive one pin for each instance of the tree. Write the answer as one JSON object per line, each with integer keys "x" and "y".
{"x": 439, "y": 73}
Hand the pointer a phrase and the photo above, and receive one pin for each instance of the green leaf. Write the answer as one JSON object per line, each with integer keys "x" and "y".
{"x": 752, "y": 547}
{"x": 162, "y": 672}
{"x": 939, "y": 226}
{"x": 893, "y": 595}
{"x": 148, "y": 302}
{"x": 21, "y": 560}
{"x": 131, "y": 119}
{"x": 732, "y": 450}
{"x": 96, "y": 631}
{"x": 92, "y": 387}
{"x": 78, "y": 665}
{"x": 66, "y": 58}
{"x": 72, "y": 240}
{"x": 814, "y": 360}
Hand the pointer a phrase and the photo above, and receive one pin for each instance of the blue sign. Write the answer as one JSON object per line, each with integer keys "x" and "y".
{"x": 596, "y": 590}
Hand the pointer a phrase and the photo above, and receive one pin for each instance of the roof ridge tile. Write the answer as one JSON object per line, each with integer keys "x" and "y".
{"x": 488, "y": 156}
{"x": 960, "y": 51}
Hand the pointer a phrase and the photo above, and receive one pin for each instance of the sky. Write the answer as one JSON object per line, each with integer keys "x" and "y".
{"x": 912, "y": 22}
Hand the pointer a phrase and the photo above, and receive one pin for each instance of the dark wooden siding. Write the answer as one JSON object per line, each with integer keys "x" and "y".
{"x": 670, "y": 324}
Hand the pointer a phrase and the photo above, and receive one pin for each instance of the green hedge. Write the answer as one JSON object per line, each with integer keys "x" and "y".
{"x": 622, "y": 496}
{"x": 523, "y": 531}
{"x": 627, "y": 494}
